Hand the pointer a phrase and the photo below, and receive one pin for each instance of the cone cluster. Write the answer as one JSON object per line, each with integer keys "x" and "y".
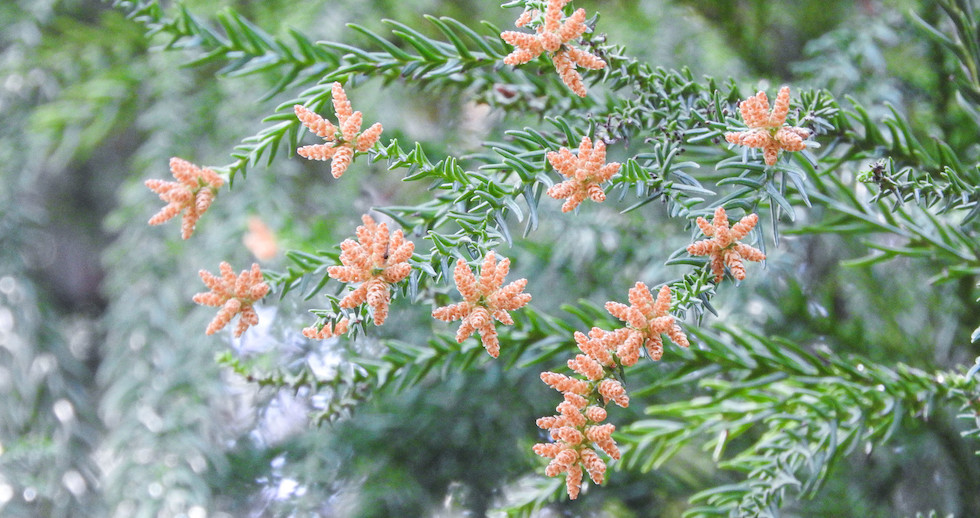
{"x": 191, "y": 194}
{"x": 327, "y": 330}
{"x": 723, "y": 247}
{"x": 585, "y": 172}
{"x": 484, "y": 300}
{"x": 376, "y": 260}
{"x": 554, "y": 36}
{"x": 576, "y": 432}
{"x": 235, "y": 295}
{"x": 342, "y": 140}
{"x": 767, "y": 129}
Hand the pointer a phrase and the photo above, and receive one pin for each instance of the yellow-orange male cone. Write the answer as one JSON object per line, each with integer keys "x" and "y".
{"x": 767, "y": 130}
{"x": 484, "y": 301}
{"x": 341, "y": 142}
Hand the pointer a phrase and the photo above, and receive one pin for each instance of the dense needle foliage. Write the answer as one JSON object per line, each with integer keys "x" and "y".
{"x": 814, "y": 339}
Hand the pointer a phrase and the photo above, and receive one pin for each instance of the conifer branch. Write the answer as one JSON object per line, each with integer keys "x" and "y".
{"x": 801, "y": 410}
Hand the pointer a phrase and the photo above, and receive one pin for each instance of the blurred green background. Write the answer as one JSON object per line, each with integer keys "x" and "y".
{"x": 111, "y": 403}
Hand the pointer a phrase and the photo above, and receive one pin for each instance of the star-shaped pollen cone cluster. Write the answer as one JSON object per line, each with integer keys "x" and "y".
{"x": 484, "y": 300}
{"x": 191, "y": 194}
{"x": 553, "y": 36}
{"x": 234, "y": 294}
{"x": 576, "y": 432}
{"x": 376, "y": 260}
{"x": 646, "y": 320}
{"x": 585, "y": 173}
{"x": 767, "y": 129}
{"x": 723, "y": 247}
{"x": 342, "y": 141}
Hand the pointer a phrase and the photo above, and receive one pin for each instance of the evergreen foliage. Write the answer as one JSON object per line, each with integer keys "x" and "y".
{"x": 839, "y": 378}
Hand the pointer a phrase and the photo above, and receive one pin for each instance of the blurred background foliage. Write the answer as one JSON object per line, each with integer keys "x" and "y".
{"x": 112, "y": 403}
